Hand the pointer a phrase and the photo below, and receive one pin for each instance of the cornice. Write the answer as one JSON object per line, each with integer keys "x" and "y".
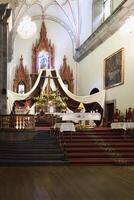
{"x": 105, "y": 30}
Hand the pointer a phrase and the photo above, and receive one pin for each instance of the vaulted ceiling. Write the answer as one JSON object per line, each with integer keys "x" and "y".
{"x": 68, "y": 13}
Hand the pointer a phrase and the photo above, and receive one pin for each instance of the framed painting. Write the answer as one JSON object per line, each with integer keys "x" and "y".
{"x": 114, "y": 69}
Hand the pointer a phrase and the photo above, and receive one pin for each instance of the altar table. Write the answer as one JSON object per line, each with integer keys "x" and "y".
{"x": 122, "y": 125}
{"x": 65, "y": 126}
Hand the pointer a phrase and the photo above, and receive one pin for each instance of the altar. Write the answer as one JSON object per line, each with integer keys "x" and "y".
{"x": 77, "y": 117}
{"x": 65, "y": 127}
{"x": 123, "y": 125}
{"x": 50, "y": 91}
{"x": 81, "y": 120}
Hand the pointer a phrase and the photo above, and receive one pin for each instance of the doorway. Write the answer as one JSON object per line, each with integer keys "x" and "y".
{"x": 109, "y": 111}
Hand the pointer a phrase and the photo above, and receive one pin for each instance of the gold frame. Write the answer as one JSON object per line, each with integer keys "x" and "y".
{"x": 114, "y": 69}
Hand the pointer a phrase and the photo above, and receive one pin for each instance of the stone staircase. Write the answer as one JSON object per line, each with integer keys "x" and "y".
{"x": 30, "y": 148}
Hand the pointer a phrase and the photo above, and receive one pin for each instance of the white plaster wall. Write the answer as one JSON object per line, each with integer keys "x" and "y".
{"x": 58, "y": 36}
{"x": 91, "y": 71}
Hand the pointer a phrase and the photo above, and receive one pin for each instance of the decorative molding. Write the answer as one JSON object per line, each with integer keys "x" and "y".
{"x": 105, "y": 30}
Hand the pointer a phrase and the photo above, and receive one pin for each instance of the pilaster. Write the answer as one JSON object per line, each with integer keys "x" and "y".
{"x": 4, "y": 69}
{"x": 4, "y": 14}
{"x": 2, "y": 11}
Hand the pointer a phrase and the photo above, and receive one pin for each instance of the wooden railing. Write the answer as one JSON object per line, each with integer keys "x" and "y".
{"x": 17, "y": 121}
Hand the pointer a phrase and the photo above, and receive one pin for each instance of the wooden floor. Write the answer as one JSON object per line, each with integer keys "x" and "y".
{"x": 66, "y": 183}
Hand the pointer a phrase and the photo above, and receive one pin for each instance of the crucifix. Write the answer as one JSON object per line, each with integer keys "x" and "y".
{"x": 48, "y": 89}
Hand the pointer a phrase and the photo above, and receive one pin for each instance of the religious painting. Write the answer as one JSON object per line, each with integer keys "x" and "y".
{"x": 42, "y": 60}
{"x": 113, "y": 69}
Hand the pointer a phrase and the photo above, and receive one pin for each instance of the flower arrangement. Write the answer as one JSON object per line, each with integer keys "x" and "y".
{"x": 52, "y": 99}
{"x": 40, "y": 101}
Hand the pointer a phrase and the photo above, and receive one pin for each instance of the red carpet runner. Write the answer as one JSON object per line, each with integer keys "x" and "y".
{"x": 102, "y": 147}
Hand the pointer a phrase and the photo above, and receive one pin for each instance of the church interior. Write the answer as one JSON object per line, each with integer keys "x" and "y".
{"x": 66, "y": 102}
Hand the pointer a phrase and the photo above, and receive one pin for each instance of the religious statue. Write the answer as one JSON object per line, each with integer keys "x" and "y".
{"x": 117, "y": 115}
{"x": 129, "y": 115}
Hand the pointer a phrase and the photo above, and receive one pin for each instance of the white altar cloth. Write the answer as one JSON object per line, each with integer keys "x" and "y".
{"x": 67, "y": 126}
{"x": 122, "y": 125}
{"x": 76, "y": 117}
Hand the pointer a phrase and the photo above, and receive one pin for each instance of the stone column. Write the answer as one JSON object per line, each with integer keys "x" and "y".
{"x": 1, "y": 30}
{"x": 2, "y": 11}
{"x": 4, "y": 14}
{"x": 4, "y": 67}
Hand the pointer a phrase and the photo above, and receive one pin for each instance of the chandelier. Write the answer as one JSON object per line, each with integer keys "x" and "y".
{"x": 26, "y": 28}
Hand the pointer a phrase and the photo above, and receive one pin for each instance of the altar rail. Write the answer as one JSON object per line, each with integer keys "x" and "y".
{"x": 17, "y": 121}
